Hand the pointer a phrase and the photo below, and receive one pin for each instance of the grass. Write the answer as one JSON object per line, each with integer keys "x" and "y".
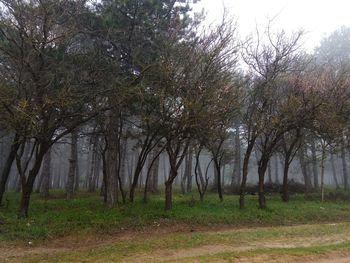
{"x": 86, "y": 214}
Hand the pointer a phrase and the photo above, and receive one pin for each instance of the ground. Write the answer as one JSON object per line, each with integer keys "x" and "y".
{"x": 301, "y": 231}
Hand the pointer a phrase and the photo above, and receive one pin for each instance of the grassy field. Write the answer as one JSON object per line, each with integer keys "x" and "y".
{"x": 56, "y": 217}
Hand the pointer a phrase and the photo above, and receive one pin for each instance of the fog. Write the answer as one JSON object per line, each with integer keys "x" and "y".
{"x": 316, "y": 18}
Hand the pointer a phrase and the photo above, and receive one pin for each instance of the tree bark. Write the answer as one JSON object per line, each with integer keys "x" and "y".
{"x": 334, "y": 172}
{"x": 304, "y": 170}
{"x": 168, "y": 195}
{"x": 7, "y": 166}
{"x": 263, "y": 163}
{"x": 149, "y": 143}
{"x": 323, "y": 158}
{"x": 27, "y": 183}
{"x": 188, "y": 171}
{"x": 152, "y": 172}
{"x": 236, "y": 175}
{"x": 277, "y": 180}
{"x": 344, "y": 166}
{"x": 314, "y": 164}
{"x": 46, "y": 175}
{"x": 91, "y": 178}
{"x": 155, "y": 176}
{"x": 218, "y": 174}
{"x": 104, "y": 178}
{"x": 112, "y": 162}
{"x": 269, "y": 173}
{"x": 285, "y": 194}
{"x": 72, "y": 166}
{"x": 136, "y": 179}
{"x": 176, "y": 157}
{"x": 245, "y": 173}
{"x": 201, "y": 184}
{"x": 77, "y": 169}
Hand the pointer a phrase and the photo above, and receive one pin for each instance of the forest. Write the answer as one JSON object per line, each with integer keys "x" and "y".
{"x": 131, "y": 102}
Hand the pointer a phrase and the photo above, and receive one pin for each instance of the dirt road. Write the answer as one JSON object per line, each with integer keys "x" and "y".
{"x": 254, "y": 246}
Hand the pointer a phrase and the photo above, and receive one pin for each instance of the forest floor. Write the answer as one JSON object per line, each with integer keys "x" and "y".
{"x": 84, "y": 230}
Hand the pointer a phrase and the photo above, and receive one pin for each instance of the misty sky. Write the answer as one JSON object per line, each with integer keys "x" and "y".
{"x": 316, "y": 17}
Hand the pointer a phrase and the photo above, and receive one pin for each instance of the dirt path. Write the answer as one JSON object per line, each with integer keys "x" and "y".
{"x": 212, "y": 250}
{"x": 70, "y": 244}
{"x": 336, "y": 259}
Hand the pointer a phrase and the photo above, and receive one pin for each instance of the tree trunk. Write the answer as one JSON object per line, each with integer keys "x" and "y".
{"x": 245, "y": 174}
{"x": 236, "y": 175}
{"x": 97, "y": 171}
{"x": 223, "y": 176}
{"x": 123, "y": 165}
{"x": 136, "y": 179}
{"x": 323, "y": 158}
{"x": 27, "y": 183}
{"x": 188, "y": 171}
{"x": 201, "y": 185}
{"x": 176, "y": 157}
{"x": 155, "y": 175}
{"x": 304, "y": 170}
{"x": 169, "y": 183}
{"x": 218, "y": 174}
{"x": 277, "y": 180}
{"x": 263, "y": 163}
{"x": 168, "y": 195}
{"x": 7, "y": 166}
{"x": 91, "y": 178}
{"x": 46, "y": 175}
{"x": 72, "y": 166}
{"x": 269, "y": 172}
{"x": 285, "y": 194}
{"x": 112, "y": 162}
{"x": 334, "y": 172}
{"x": 147, "y": 147}
{"x": 215, "y": 181}
{"x": 77, "y": 170}
{"x": 344, "y": 166}
{"x": 182, "y": 182}
{"x": 200, "y": 175}
{"x": 25, "y": 199}
{"x": 152, "y": 171}
{"x": 314, "y": 164}
{"x": 104, "y": 178}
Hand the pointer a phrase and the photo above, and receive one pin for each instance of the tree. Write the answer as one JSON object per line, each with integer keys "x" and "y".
{"x": 49, "y": 71}
{"x": 290, "y": 144}
{"x": 264, "y": 119}
{"x": 195, "y": 78}
{"x": 131, "y": 48}
{"x": 332, "y": 58}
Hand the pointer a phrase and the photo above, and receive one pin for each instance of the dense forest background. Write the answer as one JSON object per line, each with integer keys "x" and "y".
{"x": 136, "y": 96}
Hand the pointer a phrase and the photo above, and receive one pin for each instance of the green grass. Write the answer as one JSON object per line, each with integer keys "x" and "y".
{"x": 57, "y": 217}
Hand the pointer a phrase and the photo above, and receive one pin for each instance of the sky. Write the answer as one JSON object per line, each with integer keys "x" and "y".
{"x": 318, "y": 18}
